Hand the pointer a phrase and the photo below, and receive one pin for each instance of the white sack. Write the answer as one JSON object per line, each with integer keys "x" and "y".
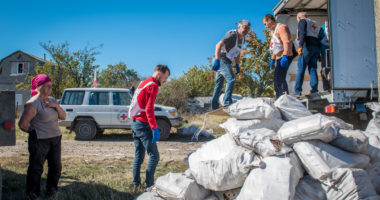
{"x": 291, "y": 108}
{"x": 175, "y": 186}
{"x": 224, "y": 195}
{"x": 309, "y": 189}
{"x": 346, "y": 183}
{"x": 277, "y": 179}
{"x": 374, "y": 125}
{"x": 373, "y": 147}
{"x": 320, "y": 159}
{"x": 234, "y": 126}
{"x": 311, "y": 127}
{"x": 213, "y": 150}
{"x": 373, "y": 171}
{"x": 226, "y": 173}
{"x": 263, "y": 142}
{"x": 252, "y": 108}
{"x": 339, "y": 123}
{"x": 234, "y": 97}
{"x": 149, "y": 196}
{"x": 351, "y": 140}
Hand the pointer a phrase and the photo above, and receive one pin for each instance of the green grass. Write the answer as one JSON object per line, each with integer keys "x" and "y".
{"x": 81, "y": 178}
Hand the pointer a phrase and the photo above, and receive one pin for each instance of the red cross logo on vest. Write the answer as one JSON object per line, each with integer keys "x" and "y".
{"x": 313, "y": 26}
{"x": 271, "y": 45}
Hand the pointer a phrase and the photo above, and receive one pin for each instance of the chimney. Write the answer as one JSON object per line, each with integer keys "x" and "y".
{"x": 44, "y": 56}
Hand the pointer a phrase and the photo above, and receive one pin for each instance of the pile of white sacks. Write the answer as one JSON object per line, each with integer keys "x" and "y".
{"x": 279, "y": 150}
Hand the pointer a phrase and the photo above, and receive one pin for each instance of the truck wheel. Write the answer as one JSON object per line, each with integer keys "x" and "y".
{"x": 164, "y": 128}
{"x": 85, "y": 129}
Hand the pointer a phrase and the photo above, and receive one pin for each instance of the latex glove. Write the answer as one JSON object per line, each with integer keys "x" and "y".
{"x": 216, "y": 65}
{"x": 271, "y": 64}
{"x": 156, "y": 135}
{"x": 237, "y": 69}
{"x": 284, "y": 61}
{"x": 299, "y": 51}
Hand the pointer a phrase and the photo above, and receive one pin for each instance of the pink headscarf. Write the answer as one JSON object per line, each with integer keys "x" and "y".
{"x": 37, "y": 81}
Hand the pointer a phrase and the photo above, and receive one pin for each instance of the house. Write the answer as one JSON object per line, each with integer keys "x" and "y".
{"x": 13, "y": 70}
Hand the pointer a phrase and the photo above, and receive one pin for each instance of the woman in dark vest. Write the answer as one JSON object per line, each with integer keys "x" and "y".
{"x": 40, "y": 120}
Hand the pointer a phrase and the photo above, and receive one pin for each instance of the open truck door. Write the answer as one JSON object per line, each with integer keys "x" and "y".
{"x": 353, "y": 59}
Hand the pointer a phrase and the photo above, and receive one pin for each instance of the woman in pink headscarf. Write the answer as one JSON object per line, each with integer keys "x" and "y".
{"x": 40, "y": 120}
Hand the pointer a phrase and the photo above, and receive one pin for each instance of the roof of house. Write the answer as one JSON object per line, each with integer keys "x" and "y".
{"x": 19, "y": 51}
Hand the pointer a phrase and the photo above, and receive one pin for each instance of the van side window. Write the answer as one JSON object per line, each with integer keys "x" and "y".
{"x": 72, "y": 98}
{"x": 98, "y": 98}
{"x": 121, "y": 98}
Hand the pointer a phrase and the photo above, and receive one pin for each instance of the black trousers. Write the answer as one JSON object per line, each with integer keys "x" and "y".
{"x": 279, "y": 78}
{"x": 39, "y": 151}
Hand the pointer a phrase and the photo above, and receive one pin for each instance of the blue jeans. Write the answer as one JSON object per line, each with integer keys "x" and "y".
{"x": 279, "y": 78}
{"x": 308, "y": 59}
{"x": 142, "y": 137}
{"x": 224, "y": 72}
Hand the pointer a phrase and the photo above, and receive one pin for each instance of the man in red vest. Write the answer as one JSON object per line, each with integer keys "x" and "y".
{"x": 144, "y": 127}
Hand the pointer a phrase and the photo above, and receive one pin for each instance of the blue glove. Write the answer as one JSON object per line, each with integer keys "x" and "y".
{"x": 156, "y": 135}
{"x": 284, "y": 61}
{"x": 237, "y": 69}
{"x": 216, "y": 65}
{"x": 271, "y": 64}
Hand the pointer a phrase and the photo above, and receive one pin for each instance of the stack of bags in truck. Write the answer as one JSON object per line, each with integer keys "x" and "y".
{"x": 279, "y": 150}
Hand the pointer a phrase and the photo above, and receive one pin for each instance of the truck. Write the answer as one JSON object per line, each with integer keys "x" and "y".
{"x": 352, "y": 56}
{"x": 89, "y": 111}
{"x": 7, "y": 123}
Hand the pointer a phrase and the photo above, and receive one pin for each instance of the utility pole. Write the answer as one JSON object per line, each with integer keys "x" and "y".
{"x": 377, "y": 27}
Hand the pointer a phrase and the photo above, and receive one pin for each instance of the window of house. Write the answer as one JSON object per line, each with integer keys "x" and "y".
{"x": 19, "y": 68}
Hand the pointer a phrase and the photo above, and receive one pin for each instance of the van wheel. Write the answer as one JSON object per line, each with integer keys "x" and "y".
{"x": 164, "y": 128}
{"x": 85, "y": 129}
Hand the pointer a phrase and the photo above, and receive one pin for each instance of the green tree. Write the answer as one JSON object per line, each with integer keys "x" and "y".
{"x": 66, "y": 69}
{"x": 118, "y": 76}
{"x": 199, "y": 80}
{"x": 256, "y": 79}
{"x": 174, "y": 93}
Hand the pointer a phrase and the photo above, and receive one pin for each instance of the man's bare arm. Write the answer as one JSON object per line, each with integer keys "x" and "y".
{"x": 284, "y": 34}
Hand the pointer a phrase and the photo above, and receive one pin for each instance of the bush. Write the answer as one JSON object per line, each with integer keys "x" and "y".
{"x": 174, "y": 93}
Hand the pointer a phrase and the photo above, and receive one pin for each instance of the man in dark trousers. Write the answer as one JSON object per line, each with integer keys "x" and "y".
{"x": 308, "y": 51}
{"x": 144, "y": 127}
{"x": 282, "y": 54}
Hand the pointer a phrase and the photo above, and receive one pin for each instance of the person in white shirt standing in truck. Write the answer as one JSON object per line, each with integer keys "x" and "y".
{"x": 144, "y": 126}
{"x": 282, "y": 54}
{"x": 227, "y": 52}
{"x": 308, "y": 50}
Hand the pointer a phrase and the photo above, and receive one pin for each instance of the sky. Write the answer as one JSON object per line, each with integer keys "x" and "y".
{"x": 142, "y": 34}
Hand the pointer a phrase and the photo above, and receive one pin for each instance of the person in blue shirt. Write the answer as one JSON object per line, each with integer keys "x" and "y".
{"x": 324, "y": 45}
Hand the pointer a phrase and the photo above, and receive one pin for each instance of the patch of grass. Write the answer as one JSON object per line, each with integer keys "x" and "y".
{"x": 83, "y": 178}
{"x": 212, "y": 122}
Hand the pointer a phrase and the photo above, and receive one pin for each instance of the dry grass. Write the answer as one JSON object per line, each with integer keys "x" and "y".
{"x": 82, "y": 178}
{"x": 89, "y": 178}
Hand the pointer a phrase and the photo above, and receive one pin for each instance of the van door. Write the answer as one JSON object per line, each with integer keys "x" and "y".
{"x": 99, "y": 107}
{"x": 120, "y": 106}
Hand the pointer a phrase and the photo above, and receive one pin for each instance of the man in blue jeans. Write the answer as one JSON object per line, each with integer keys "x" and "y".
{"x": 144, "y": 127}
{"x": 228, "y": 51}
{"x": 308, "y": 52}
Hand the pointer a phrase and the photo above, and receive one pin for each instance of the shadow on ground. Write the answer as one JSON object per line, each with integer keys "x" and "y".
{"x": 14, "y": 189}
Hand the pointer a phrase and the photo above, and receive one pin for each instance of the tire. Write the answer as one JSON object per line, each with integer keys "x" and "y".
{"x": 85, "y": 129}
{"x": 164, "y": 128}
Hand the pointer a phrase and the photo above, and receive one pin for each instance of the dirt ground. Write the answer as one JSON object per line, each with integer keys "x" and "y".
{"x": 175, "y": 149}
